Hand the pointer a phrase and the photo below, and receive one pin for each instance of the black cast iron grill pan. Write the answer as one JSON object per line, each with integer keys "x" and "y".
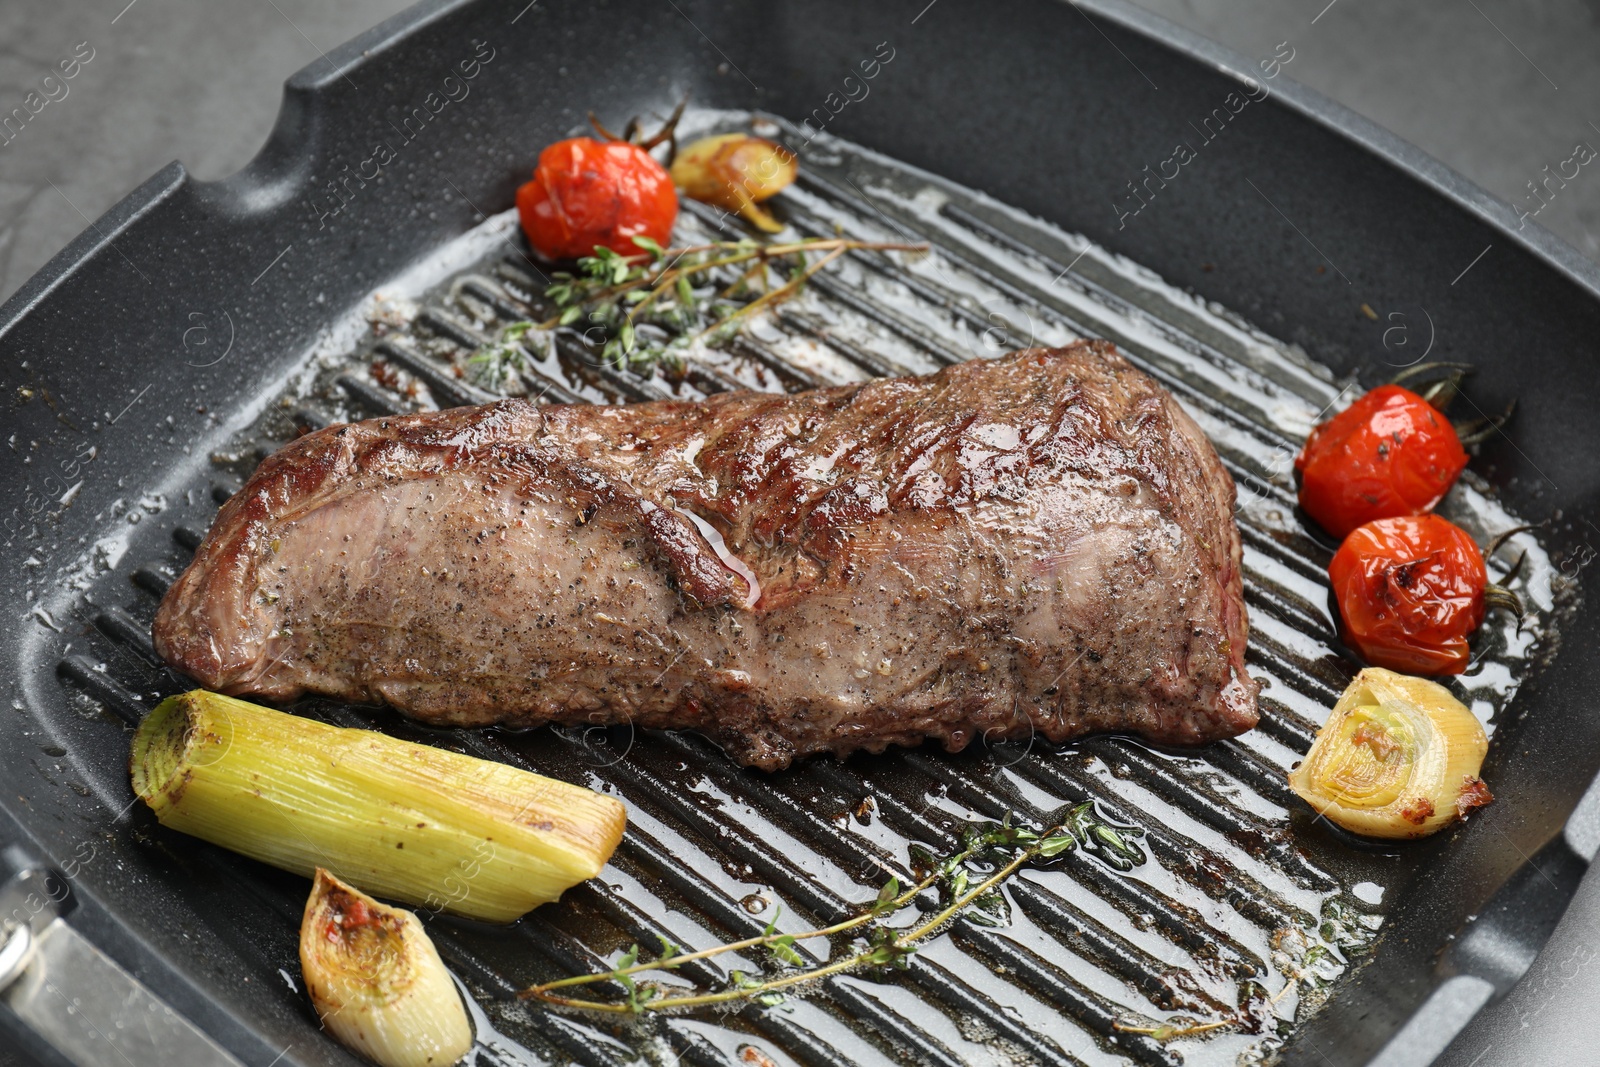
{"x": 118, "y": 405}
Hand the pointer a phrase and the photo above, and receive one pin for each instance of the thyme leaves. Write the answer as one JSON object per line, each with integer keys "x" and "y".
{"x": 967, "y": 881}
{"x": 496, "y": 365}
{"x": 655, "y": 305}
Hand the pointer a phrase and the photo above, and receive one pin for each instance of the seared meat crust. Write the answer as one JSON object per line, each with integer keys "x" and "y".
{"x": 1039, "y": 543}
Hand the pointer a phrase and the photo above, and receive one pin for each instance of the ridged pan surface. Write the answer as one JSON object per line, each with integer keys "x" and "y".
{"x": 1245, "y": 907}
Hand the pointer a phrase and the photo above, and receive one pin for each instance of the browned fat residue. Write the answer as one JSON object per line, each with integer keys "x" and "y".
{"x": 389, "y": 376}
{"x": 350, "y": 916}
{"x": 1377, "y": 739}
{"x": 1419, "y": 811}
{"x": 1474, "y": 794}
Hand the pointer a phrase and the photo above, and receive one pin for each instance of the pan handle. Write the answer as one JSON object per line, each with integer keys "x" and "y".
{"x": 1546, "y": 1019}
{"x": 63, "y": 1002}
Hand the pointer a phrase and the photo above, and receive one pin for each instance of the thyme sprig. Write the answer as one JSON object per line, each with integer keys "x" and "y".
{"x": 1307, "y": 966}
{"x": 653, "y": 305}
{"x": 969, "y": 877}
{"x": 496, "y": 365}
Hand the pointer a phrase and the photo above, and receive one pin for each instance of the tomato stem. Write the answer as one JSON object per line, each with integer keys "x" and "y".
{"x": 633, "y": 131}
{"x": 1437, "y": 383}
{"x": 1498, "y": 596}
{"x": 1479, "y": 430}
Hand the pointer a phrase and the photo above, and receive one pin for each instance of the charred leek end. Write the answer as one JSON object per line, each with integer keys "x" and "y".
{"x": 377, "y": 981}
{"x": 1399, "y": 757}
{"x": 735, "y": 171}
{"x": 408, "y": 822}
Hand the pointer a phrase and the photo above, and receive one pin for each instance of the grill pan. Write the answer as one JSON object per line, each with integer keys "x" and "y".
{"x": 198, "y": 322}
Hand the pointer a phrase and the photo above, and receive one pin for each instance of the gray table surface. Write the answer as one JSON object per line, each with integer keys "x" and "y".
{"x": 1495, "y": 88}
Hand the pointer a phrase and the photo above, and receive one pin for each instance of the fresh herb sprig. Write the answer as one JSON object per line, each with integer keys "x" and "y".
{"x": 1002, "y": 847}
{"x": 653, "y": 305}
{"x": 497, "y": 364}
{"x": 1309, "y": 957}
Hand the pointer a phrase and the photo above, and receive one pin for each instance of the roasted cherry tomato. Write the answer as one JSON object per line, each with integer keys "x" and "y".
{"x": 586, "y": 193}
{"x": 1410, "y": 590}
{"x": 1390, "y": 453}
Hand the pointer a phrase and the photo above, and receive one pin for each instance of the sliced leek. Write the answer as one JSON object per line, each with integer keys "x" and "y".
{"x": 408, "y": 822}
{"x": 377, "y": 981}
{"x": 735, "y": 171}
{"x": 1399, "y": 757}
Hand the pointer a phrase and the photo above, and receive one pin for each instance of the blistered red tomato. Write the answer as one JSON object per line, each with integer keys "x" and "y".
{"x": 1410, "y": 590}
{"x": 1390, "y": 453}
{"x": 586, "y": 192}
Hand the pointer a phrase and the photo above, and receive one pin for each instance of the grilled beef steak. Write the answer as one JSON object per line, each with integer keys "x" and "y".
{"x": 1043, "y": 542}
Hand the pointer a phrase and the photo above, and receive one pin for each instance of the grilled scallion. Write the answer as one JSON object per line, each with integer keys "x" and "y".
{"x": 1398, "y": 757}
{"x": 736, "y": 171}
{"x": 377, "y": 981}
{"x": 408, "y": 822}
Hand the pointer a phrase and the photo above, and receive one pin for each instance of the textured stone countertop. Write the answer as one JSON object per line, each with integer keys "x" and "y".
{"x": 1497, "y": 89}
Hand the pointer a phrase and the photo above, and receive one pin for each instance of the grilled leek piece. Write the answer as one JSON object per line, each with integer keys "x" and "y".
{"x": 404, "y": 821}
{"x": 377, "y": 981}
{"x": 736, "y": 171}
{"x": 1399, "y": 757}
